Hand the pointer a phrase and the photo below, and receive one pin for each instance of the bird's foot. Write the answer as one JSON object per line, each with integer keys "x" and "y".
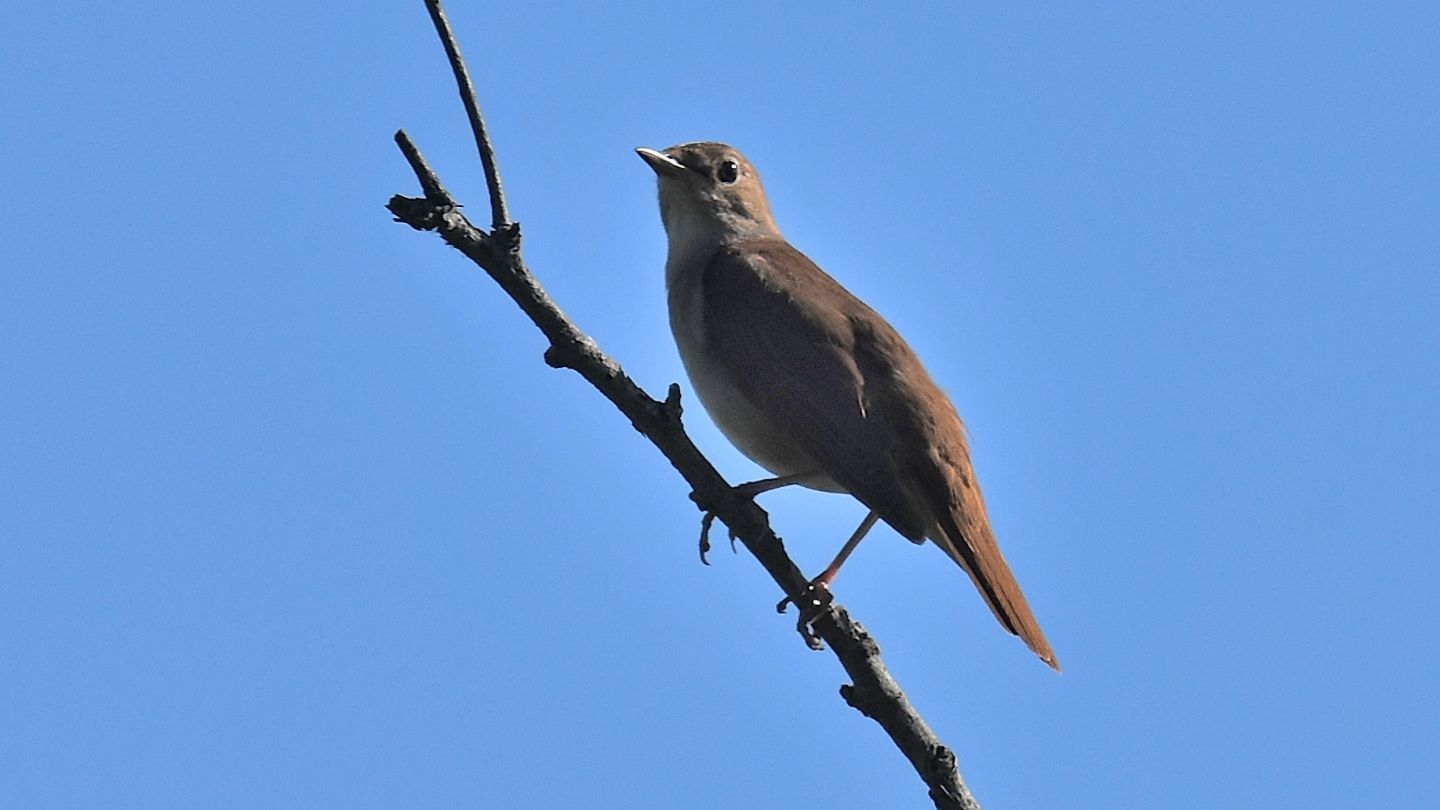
{"x": 817, "y": 597}
{"x": 813, "y": 604}
{"x": 749, "y": 490}
{"x": 705, "y": 523}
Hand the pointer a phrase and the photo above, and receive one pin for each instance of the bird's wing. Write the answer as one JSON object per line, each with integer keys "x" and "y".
{"x": 821, "y": 364}
{"x": 780, "y": 329}
{"x": 927, "y": 440}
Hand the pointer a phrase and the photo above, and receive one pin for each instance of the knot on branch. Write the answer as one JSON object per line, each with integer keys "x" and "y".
{"x": 579, "y": 353}
{"x": 942, "y": 773}
{"x": 672, "y": 402}
{"x": 420, "y": 213}
{"x": 940, "y": 763}
{"x": 563, "y": 355}
{"x": 506, "y": 238}
{"x": 662, "y": 415}
{"x": 862, "y": 700}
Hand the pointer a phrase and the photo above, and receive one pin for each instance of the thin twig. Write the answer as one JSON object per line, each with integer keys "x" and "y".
{"x": 429, "y": 181}
{"x": 499, "y": 211}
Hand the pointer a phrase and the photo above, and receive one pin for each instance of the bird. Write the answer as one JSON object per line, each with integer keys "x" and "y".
{"x": 812, "y": 384}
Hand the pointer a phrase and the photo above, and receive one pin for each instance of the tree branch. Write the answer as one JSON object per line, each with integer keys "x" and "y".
{"x": 499, "y": 211}
{"x": 873, "y": 692}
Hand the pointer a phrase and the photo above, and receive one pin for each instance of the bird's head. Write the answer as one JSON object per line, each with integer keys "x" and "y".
{"x": 709, "y": 192}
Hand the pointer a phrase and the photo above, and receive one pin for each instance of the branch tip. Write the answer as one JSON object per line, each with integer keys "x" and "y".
{"x": 429, "y": 181}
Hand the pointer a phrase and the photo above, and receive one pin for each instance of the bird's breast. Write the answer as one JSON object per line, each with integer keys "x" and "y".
{"x": 714, "y": 379}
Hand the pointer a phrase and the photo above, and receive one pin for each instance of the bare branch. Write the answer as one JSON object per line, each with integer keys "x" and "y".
{"x": 499, "y": 212}
{"x": 874, "y": 692}
{"x": 429, "y": 181}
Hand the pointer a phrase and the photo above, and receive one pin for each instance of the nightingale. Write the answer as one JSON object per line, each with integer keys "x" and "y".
{"x": 811, "y": 383}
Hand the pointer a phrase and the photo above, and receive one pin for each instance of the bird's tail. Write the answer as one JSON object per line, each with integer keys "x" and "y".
{"x": 963, "y": 531}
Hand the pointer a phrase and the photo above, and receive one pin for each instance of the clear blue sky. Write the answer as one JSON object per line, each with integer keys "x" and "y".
{"x": 293, "y": 515}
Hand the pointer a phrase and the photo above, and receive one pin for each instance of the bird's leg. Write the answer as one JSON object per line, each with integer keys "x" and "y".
{"x": 813, "y": 599}
{"x": 754, "y": 488}
{"x": 747, "y": 490}
{"x": 833, "y": 568}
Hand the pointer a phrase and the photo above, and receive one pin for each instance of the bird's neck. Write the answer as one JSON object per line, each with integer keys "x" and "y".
{"x": 694, "y": 235}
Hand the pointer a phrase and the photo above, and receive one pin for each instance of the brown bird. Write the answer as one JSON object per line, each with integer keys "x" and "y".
{"x": 812, "y": 384}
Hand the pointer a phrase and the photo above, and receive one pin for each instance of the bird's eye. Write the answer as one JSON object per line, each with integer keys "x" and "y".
{"x": 727, "y": 172}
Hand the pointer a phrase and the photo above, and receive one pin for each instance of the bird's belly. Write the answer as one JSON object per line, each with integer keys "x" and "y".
{"x": 749, "y": 430}
{"x": 742, "y": 423}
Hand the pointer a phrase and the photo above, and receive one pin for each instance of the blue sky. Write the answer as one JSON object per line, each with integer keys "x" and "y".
{"x": 293, "y": 515}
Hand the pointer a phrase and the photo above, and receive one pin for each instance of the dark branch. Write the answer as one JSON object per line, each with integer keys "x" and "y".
{"x": 874, "y": 692}
{"x": 429, "y": 181}
{"x": 499, "y": 212}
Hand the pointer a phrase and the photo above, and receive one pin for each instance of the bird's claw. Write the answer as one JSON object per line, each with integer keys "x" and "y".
{"x": 705, "y": 535}
{"x": 709, "y": 519}
{"x": 705, "y": 523}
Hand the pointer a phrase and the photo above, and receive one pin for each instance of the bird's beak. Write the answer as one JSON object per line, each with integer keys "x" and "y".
{"x": 662, "y": 163}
